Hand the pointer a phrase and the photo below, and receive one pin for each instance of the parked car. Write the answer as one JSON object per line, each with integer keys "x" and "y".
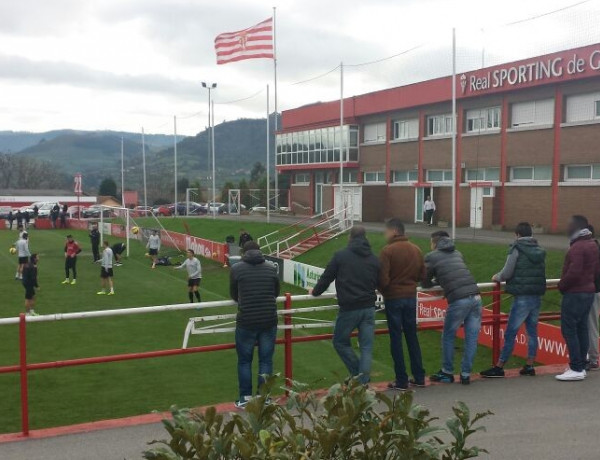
{"x": 75, "y": 212}
{"x": 94, "y": 212}
{"x": 4, "y": 210}
{"x": 44, "y": 210}
{"x": 141, "y": 211}
{"x": 214, "y": 206}
{"x": 232, "y": 209}
{"x": 162, "y": 210}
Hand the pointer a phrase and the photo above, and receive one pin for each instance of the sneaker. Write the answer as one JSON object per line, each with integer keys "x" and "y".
{"x": 493, "y": 373}
{"x": 118, "y": 264}
{"x": 416, "y": 383}
{"x": 571, "y": 376}
{"x": 242, "y": 403}
{"x": 74, "y": 282}
{"x": 65, "y": 282}
{"x": 396, "y": 387}
{"x": 592, "y": 365}
{"x": 153, "y": 266}
{"x": 111, "y": 293}
{"x": 528, "y": 371}
{"x": 101, "y": 292}
{"x": 442, "y": 377}
{"x": 465, "y": 380}
{"x": 32, "y": 313}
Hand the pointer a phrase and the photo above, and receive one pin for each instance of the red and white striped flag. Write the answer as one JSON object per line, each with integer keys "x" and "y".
{"x": 252, "y": 43}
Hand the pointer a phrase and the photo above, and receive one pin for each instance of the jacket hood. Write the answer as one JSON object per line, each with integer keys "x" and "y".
{"x": 360, "y": 246}
{"x": 253, "y": 257}
{"x": 528, "y": 246}
{"x": 445, "y": 244}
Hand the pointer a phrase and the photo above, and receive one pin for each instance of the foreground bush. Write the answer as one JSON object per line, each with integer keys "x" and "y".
{"x": 349, "y": 422}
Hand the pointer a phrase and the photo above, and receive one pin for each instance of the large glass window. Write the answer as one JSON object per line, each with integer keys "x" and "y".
{"x": 439, "y": 125}
{"x": 487, "y": 119}
{"x": 406, "y": 129}
{"x": 374, "y": 177}
{"x": 439, "y": 175}
{"x": 317, "y": 146}
{"x": 532, "y": 113}
{"x": 582, "y": 172}
{"x": 405, "y": 176}
{"x": 350, "y": 176}
{"x": 374, "y": 132}
{"x": 530, "y": 173}
{"x": 302, "y": 178}
{"x": 483, "y": 174}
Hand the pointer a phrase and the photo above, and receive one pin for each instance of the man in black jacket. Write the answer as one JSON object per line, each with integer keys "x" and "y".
{"x": 30, "y": 283}
{"x": 355, "y": 271}
{"x": 95, "y": 240}
{"x": 254, "y": 285}
{"x": 446, "y": 265}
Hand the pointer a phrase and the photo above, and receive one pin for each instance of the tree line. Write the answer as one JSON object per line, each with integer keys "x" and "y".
{"x": 21, "y": 172}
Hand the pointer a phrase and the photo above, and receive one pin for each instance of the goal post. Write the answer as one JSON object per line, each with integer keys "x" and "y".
{"x": 115, "y": 212}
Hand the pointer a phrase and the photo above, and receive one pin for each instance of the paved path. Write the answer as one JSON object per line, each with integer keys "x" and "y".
{"x": 535, "y": 418}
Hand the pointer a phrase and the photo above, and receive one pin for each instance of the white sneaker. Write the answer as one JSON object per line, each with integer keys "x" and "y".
{"x": 570, "y": 376}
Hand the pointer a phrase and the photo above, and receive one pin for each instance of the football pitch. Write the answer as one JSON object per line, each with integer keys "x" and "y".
{"x": 102, "y": 391}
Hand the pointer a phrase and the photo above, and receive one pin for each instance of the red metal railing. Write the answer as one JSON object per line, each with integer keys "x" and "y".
{"x": 495, "y": 320}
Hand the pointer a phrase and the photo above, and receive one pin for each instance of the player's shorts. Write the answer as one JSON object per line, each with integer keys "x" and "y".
{"x": 23, "y": 260}
{"x": 106, "y": 272}
{"x": 153, "y": 252}
{"x": 194, "y": 282}
{"x": 29, "y": 293}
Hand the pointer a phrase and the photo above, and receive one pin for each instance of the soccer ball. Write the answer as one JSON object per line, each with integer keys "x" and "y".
{"x": 135, "y": 230}
{"x": 12, "y": 250}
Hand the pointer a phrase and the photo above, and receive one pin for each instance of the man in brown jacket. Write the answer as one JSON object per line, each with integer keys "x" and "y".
{"x": 402, "y": 268}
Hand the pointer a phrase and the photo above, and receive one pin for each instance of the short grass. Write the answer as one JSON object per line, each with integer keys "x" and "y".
{"x": 94, "y": 392}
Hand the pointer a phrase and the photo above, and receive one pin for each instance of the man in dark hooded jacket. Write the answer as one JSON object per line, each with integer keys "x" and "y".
{"x": 254, "y": 285}
{"x": 355, "y": 271}
{"x": 525, "y": 276}
{"x": 446, "y": 265}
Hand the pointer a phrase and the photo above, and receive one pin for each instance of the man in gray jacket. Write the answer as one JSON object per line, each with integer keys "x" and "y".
{"x": 446, "y": 265}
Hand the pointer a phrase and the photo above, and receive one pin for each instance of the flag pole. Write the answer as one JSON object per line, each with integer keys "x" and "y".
{"x": 144, "y": 167}
{"x": 268, "y": 162}
{"x": 212, "y": 140}
{"x": 454, "y": 127}
{"x": 342, "y": 204}
{"x": 175, "y": 161}
{"x": 122, "y": 175}
{"x": 275, "y": 103}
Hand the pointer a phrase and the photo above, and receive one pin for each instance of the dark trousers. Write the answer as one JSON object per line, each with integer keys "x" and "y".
{"x": 71, "y": 264}
{"x": 429, "y": 216}
{"x": 96, "y": 250}
{"x": 574, "y": 312}
{"x": 245, "y": 341}
{"x": 402, "y": 318}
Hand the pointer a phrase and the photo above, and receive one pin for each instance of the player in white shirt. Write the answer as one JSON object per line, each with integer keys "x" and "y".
{"x": 106, "y": 270}
{"x": 194, "y": 270}
{"x": 23, "y": 253}
{"x": 153, "y": 247}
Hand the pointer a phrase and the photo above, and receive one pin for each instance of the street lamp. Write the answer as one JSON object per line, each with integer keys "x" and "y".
{"x": 211, "y": 139}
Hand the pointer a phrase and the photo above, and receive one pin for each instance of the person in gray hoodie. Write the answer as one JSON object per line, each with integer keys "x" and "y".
{"x": 446, "y": 266}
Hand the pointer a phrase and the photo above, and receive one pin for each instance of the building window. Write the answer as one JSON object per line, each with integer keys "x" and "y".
{"x": 374, "y": 177}
{"x": 582, "y": 172}
{"x": 302, "y": 178}
{"x": 405, "y": 176}
{"x": 482, "y": 175}
{"x": 597, "y": 107}
{"x": 439, "y": 125}
{"x": 532, "y": 113}
{"x": 582, "y": 107}
{"x": 530, "y": 173}
{"x": 350, "y": 176}
{"x": 374, "y": 132}
{"x": 439, "y": 175}
{"x": 487, "y": 119}
{"x": 406, "y": 129}
{"x": 488, "y": 192}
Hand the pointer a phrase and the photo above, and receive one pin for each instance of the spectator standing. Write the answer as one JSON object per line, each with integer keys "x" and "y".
{"x": 30, "y": 283}
{"x": 194, "y": 270}
{"x": 19, "y": 218}
{"x": 26, "y": 219}
{"x": 355, "y": 271}
{"x": 446, "y": 265}
{"x": 95, "y": 242}
{"x": 36, "y": 211}
{"x": 254, "y": 285}
{"x": 54, "y": 214}
{"x": 402, "y": 268}
{"x": 429, "y": 209}
{"x": 63, "y": 216}
{"x": 72, "y": 249}
{"x": 581, "y": 270}
{"x": 592, "y": 360}
{"x": 244, "y": 238}
{"x": 11, "y": 218}
{"x": 525, "y": 276}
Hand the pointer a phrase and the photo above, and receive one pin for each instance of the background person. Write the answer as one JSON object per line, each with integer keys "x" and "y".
{"x": 95, "y": 242}
{"x": 106, "y": 271}
{"x": 63, "y": 216}
{"x": 581, "y": 270}
{"x": 355, "y": 271}
{"x": 194, "y": 270}
{"x": 429, "y": 210}
{"x": 446, "y": 265}
{"x": 118, "y": 249}
{"x": 592, "y": 359}
{"x": 30, "y": 283}
{"x": 26, "y": 219}
{"x": 153, "y": 247}
{"x": 254, "y": 285}
{"x": 11, "y": 218}
{"x": 22, "y": 246}
{"x": 72, "y": 249}
{"x": 402, "y": 268}
{"x": 244, "y": 238}
{"x": 525, "y": 276}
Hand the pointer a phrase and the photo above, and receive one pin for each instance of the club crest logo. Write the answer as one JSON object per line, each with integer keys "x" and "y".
{"x": 463, "y": 83}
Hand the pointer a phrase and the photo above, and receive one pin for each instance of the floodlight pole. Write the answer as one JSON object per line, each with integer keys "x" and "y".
{"x": 454, "y": 128}
{"x": 175, "y": 161}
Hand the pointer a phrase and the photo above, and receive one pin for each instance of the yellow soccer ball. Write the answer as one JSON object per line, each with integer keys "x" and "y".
{"x": 12, "y": 250}
{"x": 135, "y": 230}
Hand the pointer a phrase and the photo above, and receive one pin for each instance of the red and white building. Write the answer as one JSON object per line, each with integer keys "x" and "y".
{"x": 528, "y": 142}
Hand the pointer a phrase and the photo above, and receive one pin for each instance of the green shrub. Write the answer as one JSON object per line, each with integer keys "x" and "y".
{"x": 348, "y": 422}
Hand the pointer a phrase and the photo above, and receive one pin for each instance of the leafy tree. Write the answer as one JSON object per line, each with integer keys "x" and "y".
{"x": 257, "y": 173}
{"x": 225, "y": 191}
{"x": 108, "y": 187}
{"x": 182, "y": 184}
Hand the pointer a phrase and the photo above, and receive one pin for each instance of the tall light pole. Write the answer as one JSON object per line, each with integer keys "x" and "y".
{"x": 211, "y": 137}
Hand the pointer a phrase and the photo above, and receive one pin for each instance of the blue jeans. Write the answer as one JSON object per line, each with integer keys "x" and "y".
{"x": 245, "y": 341}
{"x": 345, "y": 323}
{"x": 402, "y": 318}
{"x": 525, "y": 309}
{"x": 461, "y": 312}
{"x": 574, "y": 313}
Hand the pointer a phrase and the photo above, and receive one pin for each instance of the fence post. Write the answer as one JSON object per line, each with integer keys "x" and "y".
{"x": 496, "y": 303}
{"x": 23, "y": 365}
{"x": 287, "y": 334}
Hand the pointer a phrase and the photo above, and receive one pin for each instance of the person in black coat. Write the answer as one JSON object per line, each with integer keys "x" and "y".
{"x": 355, "y": 271}
{"x": 244, "y": 238}
{"x": 11, "y": 218}
{"x": 30, "y": 283}
{"x": 95, "y": 240}
{"x": 254, "y": 285}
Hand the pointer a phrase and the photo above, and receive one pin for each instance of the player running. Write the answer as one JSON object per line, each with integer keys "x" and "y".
{"x": 118, "y": 249}
{"x": 22, "y": 247}
{"x": 106, "y": 270}
{"x": 30, "y": 283}
{"x": 153, "y": 246}
{"x": 72, "y": 248}
{"x": 194, "y": 270}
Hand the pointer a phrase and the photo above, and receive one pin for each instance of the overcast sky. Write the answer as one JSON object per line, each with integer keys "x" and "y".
{"x": 124, "y": 64}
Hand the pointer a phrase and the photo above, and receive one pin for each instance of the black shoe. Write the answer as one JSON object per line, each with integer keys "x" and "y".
{"x": 397, "y": 387}
{"x": 465, "y": 380}
{"x": 416, "y": 383}
{"x": 528, "y": 371}
{"x": 493, "y": 373}
{"x": 442, "y": 377}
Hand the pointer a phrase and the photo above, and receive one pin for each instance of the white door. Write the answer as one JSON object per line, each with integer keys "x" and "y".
{"x": 477, "y": 207}
{"x": 421, "y": 193}
{"x": 352, "y": 197}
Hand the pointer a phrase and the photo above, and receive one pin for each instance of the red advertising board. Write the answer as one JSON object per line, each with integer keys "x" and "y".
{"x": 205, "y": 248}
{"x": 551, "y": 346}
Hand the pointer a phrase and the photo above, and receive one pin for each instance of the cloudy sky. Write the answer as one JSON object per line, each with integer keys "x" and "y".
{"x": 124, "y": 64}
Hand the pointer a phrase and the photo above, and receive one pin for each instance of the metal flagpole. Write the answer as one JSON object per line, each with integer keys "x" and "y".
{"x": 208, "y": 137}
{"x": 122, "y": 175}
{"x": 175, "y": 161}
{"x": 454, "y": 178}
{"x": 212, "y": 139}
{"x": 341, "y": 181}
{"x": 144, "y": 167}
{"x": 268, "y": 163}
{"x": 275, "y": 103}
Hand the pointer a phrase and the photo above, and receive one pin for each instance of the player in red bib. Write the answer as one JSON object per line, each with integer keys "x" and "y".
{"x": 72, "y": 248}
